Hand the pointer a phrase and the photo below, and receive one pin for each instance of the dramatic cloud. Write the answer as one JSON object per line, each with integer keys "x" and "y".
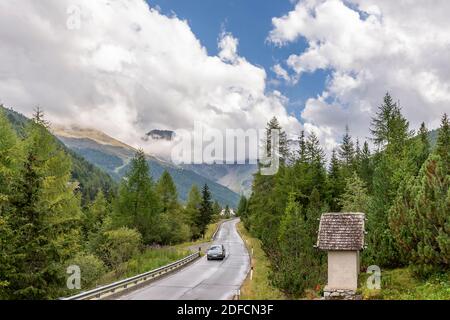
{"x": 124, "y": 68}
{"x": 370, "y": 47}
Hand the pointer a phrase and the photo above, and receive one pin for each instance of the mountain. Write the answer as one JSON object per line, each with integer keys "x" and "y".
{"x": 90, "y": 178}
{"x": 160, "y": 135}
{"x": 237, "y": 177}
{"x": 114, "y": 157}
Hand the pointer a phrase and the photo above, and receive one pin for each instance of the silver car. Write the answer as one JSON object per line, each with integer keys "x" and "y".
{"x": 216, "y": 252}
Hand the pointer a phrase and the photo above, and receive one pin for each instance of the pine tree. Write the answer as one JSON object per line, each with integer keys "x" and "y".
{"x": 420, "y": 219}
{"x": 355, "y": 197}
{"x": 365, "y": 168}
{"x": 390, "y": 130}
{"x": 302, "y": 147}
{"x": 417, "y": 153}
{"x": 206, "y": 210}
{"x": 335, "y": 181}
{"x": 175, "y": 222}
{"x": 316, "y": 161}
{"x": 96, "y": 214}
{"x": 137, "y": 205}
{"x": 46, "y": 216}
{"x": 380, "y": 129}
{"x": 347, "y": 150}
{"x": 358, "y": 154}
{"x": 299, "y": 265}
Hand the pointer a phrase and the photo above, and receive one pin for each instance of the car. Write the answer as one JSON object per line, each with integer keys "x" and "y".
{"x": 216, "y": 252}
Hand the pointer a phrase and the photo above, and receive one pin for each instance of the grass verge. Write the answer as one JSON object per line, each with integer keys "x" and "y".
{"x": 148, "y": 260}
{"x": 155, "y": 258}
{"x": 400, "y": 284}
{"x": 260, "y": 287}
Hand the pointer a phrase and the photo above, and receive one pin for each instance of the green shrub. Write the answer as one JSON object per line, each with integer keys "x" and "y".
{"x": 118, "y": 246}
{"x": 91, "y": 267}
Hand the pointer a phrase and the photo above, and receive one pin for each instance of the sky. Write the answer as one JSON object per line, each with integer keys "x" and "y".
{"x": 126, "y": 67}
{"x": 208, "y": 19}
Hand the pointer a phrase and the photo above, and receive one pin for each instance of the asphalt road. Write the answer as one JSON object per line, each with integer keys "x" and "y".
{"x": 203, "y": 280}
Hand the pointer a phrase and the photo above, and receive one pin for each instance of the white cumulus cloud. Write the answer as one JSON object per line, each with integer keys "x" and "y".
{"x": 125, "y": 68}
{"x": 370, "y": 47}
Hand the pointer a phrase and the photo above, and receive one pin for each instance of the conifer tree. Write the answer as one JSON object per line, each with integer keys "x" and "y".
{"x": 175, "y": 222}
{"x": 316, "y": 161}
{"x": 420, "y": 219}
{"x": 242, "y": 208}
{"x": 9, "y": 163}
{"x": 46, "y": 216}
{"x": 193, "y": 211}
{"x": 227, "y": 211}
{"x": 443, "y": 142}
{"x": 9, "y": 159}
{"x": 206, "y": 210}
{"x": 347, "y": 150}
{"x": 299, "y": 265}
{"x": 137, "y": 205}
{"x": 96, "y": 214}
{"x": 302, "y": 147}
{"x": 167, "y": 192}
{"x": 381, "y": 123}
{"x": 365, "y": 168}
{"x": 355, "y": 197}
{"x": 217, "y": 208}
{"x": 283, "y": 151}
{"x": 335, "y": 181}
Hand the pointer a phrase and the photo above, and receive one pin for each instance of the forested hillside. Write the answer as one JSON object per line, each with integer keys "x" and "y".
{"x": 114, "y": 157}
{"x": 402, "y": 186}
{"x": 45, "y": 227}
{"x": 90, "y": 178}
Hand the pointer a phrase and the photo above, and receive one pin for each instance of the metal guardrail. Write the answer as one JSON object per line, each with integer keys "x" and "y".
{"x": 122, "y": 285}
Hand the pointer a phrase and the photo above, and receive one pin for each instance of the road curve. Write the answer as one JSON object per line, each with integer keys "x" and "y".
{"x": 203, "y": 280}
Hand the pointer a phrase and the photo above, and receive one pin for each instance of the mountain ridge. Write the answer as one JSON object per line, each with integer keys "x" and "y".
{"x": 114, "y": 156}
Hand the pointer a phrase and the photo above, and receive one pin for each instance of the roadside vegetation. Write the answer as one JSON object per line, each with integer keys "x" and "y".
{"x": 402, "y": 185}
{"x": 402, "y": 284}
{"x": 260, "y": 287}
{"x": 48, "y": 223}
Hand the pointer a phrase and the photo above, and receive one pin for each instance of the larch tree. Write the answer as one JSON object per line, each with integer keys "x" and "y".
{"x": 355, "y": 197}
{"x": 10, "y": 158}
{"x": 137, "y": 205}
{"x": 192, "y": 211}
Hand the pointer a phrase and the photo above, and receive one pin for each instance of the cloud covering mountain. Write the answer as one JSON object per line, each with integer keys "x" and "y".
{"x": 123, "y": 67}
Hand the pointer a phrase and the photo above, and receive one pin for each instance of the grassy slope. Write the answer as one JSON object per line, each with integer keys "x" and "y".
{"x": 150, "y": 259}
{"x": 90, "y": 177}
{"x": 400, "y": 284}
{"x": 260, "y": 287}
